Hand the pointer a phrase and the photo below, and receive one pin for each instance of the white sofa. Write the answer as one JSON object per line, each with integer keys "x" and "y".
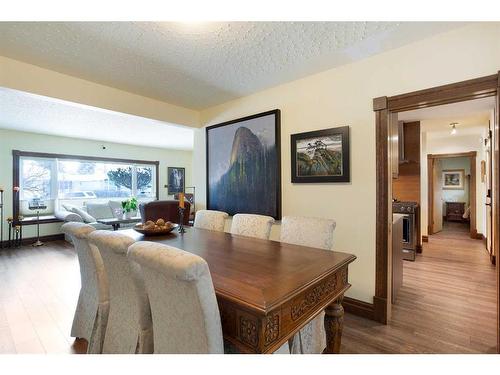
{"x": 91, "y": 213}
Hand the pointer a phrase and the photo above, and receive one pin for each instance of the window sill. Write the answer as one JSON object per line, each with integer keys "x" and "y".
{"x": 45, "y": 219}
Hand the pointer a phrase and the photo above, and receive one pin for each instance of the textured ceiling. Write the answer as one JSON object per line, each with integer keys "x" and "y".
{"x": 38, "y": 114}
{"x": 198, "y": 65}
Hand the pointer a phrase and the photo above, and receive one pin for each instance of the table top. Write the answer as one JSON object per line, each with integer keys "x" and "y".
{"x": 259, "y": 274}
{"x": 115, "y": 220}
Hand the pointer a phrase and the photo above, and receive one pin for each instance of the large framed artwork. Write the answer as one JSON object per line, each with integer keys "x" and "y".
{"x": 321, "y": 156}
{"x": 453, "y": 179}
{"x": 244, "y": 165}
{"x": 176, "y": 180}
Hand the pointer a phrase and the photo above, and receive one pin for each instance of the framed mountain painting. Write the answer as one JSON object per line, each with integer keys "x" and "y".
{"x": 244, "y": 165}
{"x": 321, "y": 156}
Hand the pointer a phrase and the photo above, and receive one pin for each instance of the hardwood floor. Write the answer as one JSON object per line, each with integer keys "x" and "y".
{"x": 38, "y": 294}
{"x": 447, "y": 303}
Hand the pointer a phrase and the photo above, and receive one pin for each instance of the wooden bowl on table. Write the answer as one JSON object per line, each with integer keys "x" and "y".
{"x": 150, "y": 228}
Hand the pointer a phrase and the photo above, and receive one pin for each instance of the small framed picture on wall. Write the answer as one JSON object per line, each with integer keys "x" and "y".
{"x": 453, "y": 179}
{"x": 321, "y": 156}
{"x": 176, "y": 180}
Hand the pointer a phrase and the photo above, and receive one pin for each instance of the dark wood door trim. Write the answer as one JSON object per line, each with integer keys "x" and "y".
{"x": 430, "y": 190}
{"x": 383, "y": 106}
{"x": 382, "y": 210}
{"x": 452, "y": 93}
{"x": 469, "y": 154}
{"x": 430, "y": 195}
{"x": 496, "y": 203}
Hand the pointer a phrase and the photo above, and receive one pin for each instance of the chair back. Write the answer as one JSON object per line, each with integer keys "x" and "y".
{"x": 167, "y": 210}
{"x": 181, "y": 293}
{"x": 92, "y": 273}
{"x": 258, "y": 226}
{"x": 129, "y": 312}
{"x": 308, "y": 231}
{"x": 211, "y": 220}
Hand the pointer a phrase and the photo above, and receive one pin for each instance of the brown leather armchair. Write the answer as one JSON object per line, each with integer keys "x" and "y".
{"x": 167, "y": 210}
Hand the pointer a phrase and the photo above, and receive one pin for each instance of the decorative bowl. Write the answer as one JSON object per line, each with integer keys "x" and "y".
{"x": 155, "y": 232}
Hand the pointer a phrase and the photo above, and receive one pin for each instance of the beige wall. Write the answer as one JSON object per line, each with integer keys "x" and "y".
{"x": 33, "y": 79}
{"x": 13, "y": 140}
{"x": 343, "y": 96}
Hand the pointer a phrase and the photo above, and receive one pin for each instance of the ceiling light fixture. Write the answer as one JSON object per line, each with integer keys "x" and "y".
{"x": 454, "y": 128}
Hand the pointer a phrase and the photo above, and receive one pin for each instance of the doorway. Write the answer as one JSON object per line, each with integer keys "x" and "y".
{"x": 452, "y": 193}
{"x": 384, "y": 108}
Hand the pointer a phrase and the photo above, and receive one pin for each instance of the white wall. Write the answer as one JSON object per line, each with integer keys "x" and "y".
{"x": 343, "y": 96}
{"x": 13, "y": 140}
{"x": 450, "y": 145}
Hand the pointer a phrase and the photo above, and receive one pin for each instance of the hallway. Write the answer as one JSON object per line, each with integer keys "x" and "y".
{"x": 447, "y": 303}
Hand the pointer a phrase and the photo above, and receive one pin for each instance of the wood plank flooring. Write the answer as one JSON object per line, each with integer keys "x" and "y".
{"x": 447, "y": 303}
{"x": 38, "y": 294}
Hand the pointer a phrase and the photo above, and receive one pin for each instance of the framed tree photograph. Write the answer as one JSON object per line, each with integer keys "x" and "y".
{"x": 453, "y": 179}
{"x": 321, "y": 156}
{"x": 176, "y": 180}
{"x": 244, "y": 165}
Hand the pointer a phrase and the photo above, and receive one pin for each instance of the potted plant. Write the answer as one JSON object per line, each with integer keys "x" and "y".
{"x": 128, "y": 207}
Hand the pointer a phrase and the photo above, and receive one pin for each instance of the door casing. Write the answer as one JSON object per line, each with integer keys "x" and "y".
{"x": 383, "y": 107}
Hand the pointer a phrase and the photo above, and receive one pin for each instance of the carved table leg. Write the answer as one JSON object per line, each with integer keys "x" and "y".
{"x": 334, "y": 322}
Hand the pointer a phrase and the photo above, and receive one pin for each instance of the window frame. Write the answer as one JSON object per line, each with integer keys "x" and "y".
{"x": 16, "y": 158}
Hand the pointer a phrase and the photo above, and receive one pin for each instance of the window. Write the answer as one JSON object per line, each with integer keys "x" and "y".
{"x": 59, "y": 179}
{"x": 36, "y": 177}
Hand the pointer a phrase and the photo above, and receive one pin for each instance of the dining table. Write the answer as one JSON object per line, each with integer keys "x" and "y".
{"x": 267, "y": 290}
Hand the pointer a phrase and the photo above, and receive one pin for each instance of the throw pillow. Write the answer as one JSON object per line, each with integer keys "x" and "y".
{"x": 85, "y": 216}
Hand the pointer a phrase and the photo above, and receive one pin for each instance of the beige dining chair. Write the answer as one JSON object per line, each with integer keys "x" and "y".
{"x": 91, "y": 315}
{"x": 210, "y": 219}
{"x": 258, "y": 226}
{"x": 312, "y": 232}
{"x": 129, "y": 328}
{"x": 183, "y": 304}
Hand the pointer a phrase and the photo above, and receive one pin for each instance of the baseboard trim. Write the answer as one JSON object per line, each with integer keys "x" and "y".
{"x": 30, "y": 240}
{"x": 425, "y": 238}
{"x": 359, "y": 308}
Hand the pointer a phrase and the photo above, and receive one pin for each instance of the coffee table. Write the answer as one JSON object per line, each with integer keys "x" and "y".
{"x": 115, "y": 223}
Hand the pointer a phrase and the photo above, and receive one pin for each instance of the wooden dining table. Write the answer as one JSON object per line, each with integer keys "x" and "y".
{"x": 267, "y": 290}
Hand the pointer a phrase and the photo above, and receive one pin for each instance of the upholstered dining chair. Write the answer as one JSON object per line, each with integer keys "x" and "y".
{"x": 130, "y": 328}
{"x": 181, "y": 293}
{"x": 312, "y": 232}
{"x": 91, "y": 315}
{"x": 166, "y": 210}
{"x": 258, "y": 226}
{"x": 210, "y": 219}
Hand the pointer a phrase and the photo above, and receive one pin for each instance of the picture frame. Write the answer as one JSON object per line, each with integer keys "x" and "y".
{"x": 321, "y": 156}
{"x": 243, "y": 161}
{"x": 453, "y": 179}
{"x": 176, "y": 180}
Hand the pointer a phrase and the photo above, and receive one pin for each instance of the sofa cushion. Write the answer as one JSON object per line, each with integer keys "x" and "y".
{"x": 100, "y": 210}
{"x": 84, "y": 215}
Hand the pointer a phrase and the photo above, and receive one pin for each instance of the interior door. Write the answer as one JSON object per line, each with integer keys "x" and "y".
{"x": 437, "y": 204}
